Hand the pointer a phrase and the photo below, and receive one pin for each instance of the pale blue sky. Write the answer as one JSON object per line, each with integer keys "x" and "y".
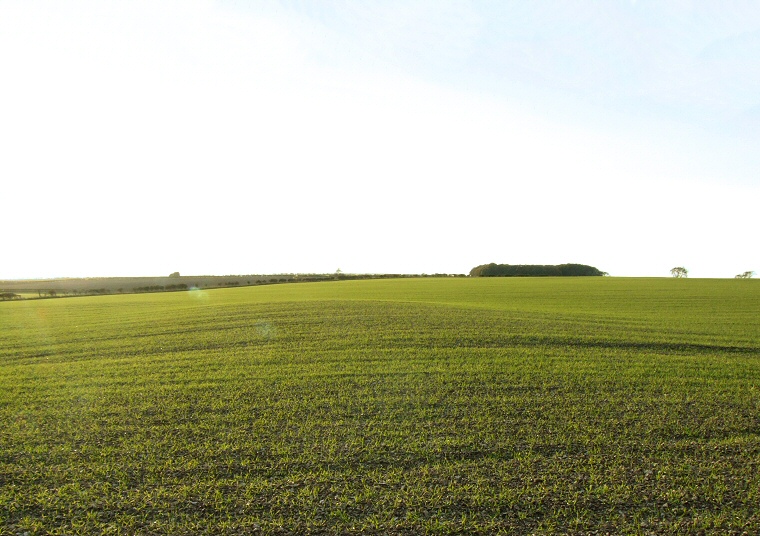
{"x": 232, "y": 137}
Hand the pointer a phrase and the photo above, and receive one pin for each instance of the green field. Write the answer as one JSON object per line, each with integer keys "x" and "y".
{"x": 477, "y": 405}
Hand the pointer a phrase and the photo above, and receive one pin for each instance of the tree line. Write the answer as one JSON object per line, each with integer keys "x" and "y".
{"x": 534, "y": 270}
{"x": 54, "y": 288}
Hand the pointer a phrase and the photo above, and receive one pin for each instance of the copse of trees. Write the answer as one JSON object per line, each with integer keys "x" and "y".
{"x": 534, "y": 270}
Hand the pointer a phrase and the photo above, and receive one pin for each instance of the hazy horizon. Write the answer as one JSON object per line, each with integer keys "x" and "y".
{"x": 218, "y": 137}
{"x": 403, "y": 274}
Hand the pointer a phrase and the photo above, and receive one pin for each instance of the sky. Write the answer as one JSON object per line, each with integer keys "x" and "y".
{"x": 420, "y": 136}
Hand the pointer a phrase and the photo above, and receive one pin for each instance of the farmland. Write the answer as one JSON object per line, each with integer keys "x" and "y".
{"x": 477, "y": 405}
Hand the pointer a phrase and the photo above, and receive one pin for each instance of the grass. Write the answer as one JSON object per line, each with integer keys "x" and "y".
{"x": 439, "y": 406}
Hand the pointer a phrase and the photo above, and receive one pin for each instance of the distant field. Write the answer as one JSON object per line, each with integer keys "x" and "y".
{"x": 33, "y": 288}
{"x": 474, "y": 405}
{"x": 46, "y": 288}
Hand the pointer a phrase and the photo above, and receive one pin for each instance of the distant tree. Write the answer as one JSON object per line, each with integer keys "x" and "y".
{"x": 52, "y": 294}
{"x": 679, "y": 271}
{"x": 745, "y": 275}
{"x": 174, "y": 274}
